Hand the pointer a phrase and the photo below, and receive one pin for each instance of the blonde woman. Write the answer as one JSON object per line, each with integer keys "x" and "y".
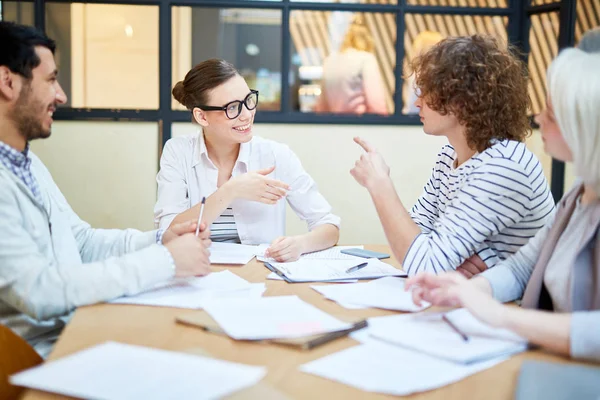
{"x": 558, "y": 272}
{"x": 352, "y": 82}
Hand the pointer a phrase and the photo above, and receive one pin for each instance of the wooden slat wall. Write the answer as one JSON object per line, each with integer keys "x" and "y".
{"x": 588, "y": 17}
{"x": 543, "y": 44}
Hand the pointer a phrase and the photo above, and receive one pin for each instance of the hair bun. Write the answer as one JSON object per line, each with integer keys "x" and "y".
{"x": 180, "y": 94}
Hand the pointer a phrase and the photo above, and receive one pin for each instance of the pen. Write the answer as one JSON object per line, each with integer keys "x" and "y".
{"x": 357, "y": 267}
{"x": 455, "y": 328}
{"x": 200, "y": 216}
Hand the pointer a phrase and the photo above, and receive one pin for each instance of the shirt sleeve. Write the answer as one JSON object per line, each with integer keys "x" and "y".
{"x": 493, "y": 197}
{"x": 585, "y": 340}
{"x": 304, "y": 196}
{"x": 173, "y": 193}
{"x": 425, "y": 211}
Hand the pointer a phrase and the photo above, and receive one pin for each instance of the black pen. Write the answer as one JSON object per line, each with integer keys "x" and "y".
{"x": 455, "y": 328}
{"x": 357, "y": 267}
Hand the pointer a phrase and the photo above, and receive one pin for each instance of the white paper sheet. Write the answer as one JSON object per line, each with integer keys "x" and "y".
{"x": 382, "y": 368}
{"x": 271, "y": 318}
{"x": 470, "y": 325}
{"x": 387, "y": 293}
{"x": 305, "y": 270}
{"x": 115, "y": 371}
{"x": 233, "y": 253}
{"x": 192, "y": 293}
{"x": 333, "y": 253}
{"x": 437, "y": 338}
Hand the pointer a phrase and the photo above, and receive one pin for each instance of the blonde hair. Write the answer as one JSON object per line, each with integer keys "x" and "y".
{"x": 574, "y": 91}
{"x": 358, "y": 37}
{"x": 425, "y": 41}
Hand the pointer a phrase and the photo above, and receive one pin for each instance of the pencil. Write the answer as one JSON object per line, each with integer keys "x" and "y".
{"x": 455, "y": 328}
{"x": 200, "y": 216}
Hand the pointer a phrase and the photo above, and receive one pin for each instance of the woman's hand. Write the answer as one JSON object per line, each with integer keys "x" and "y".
{"x": 286, "y": 248}
{"x": 452, "y": 289}
{"x": 371, "y": 169}
{"x": 255, "y": 186}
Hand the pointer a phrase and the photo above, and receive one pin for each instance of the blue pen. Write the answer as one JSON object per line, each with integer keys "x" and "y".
{"x": 357, "y": 267}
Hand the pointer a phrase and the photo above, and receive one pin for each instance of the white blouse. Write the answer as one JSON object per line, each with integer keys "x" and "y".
{"x": 187, "y": 174}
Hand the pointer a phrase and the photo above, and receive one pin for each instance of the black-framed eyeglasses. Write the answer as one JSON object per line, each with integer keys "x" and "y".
{"x": 234, "y": 108}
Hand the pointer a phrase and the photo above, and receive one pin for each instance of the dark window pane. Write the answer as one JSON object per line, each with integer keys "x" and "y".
{"x": 107, "y": 54}
{"x": 424, "y": 31}
{"x": 248, "y": 38}
{"x": 540, "y": 2}
{"x": 588, "y": 17}
{"x": 462, "y": 3}
{"x": 342, "y": 62}
{"x": 17, "y": 11}
{"x": 543, "y": 44}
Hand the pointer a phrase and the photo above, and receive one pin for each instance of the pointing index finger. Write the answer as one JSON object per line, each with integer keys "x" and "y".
{"x": 364, "y": 144}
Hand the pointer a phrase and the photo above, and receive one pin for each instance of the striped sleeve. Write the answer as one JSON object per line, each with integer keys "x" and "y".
{"x": 495, "y": 196}
{"x": 425, "y": 211}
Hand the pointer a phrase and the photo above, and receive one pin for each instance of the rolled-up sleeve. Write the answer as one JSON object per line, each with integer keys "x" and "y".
{"x": 304, "y": 196}
{"x": 172, "y": 196}
{"x": 585, "y": 335}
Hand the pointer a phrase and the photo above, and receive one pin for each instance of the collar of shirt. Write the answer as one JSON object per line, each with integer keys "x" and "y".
{"x": 13, "y": 158}
{"x": 200, "y": 150}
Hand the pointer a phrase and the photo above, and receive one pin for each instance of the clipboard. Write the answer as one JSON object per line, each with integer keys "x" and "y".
{"x": 205, "y": 322}
{"x": 359, "y": 278}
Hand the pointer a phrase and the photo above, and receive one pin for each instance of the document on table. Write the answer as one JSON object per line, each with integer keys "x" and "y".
{"x": 387, "y": 293}
{"x": 383, "y": 368}
{"x": 305, "y": 270}
{"x": 233, "y": 253}
{"x": 431, "y": 335}
{"x": 116, "y": 371}
{"x": 333, "y": 253}
{"x": 192, "y": 293}
{"x": 271, "y": 318}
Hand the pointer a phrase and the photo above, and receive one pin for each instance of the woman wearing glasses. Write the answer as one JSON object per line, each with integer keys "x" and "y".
{"x": 243, "y": 177}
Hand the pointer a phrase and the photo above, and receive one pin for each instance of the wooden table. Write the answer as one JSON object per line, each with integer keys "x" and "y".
{"x": 156, "y": 327}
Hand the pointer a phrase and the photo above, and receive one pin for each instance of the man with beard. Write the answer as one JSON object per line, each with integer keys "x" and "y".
{"x": 50, "y": 260}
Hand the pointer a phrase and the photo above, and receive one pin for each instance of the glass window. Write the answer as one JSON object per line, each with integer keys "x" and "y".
{"x": 543, "y": 45}
{"x": 461, "y": 3}
{"x": 17, "y": 11}
{"x": 342, "y": 62}
{"x": 588, "y": 17}
{"x": 424, "y": 31}
{"x": 540, "y": 2}
{"x": 248, "y": 38}
{"x": 352, "y": 1}
{"x": 107, "y": 54}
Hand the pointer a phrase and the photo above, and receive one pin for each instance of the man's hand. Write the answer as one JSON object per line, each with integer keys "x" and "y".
{"x": 190, "y": 256}
{"x": 371, "y": 169}
{"x": 472, "y": 266}
{"x": 183, "y": 228}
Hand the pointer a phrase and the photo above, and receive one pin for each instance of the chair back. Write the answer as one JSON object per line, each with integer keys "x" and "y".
{"x": 15, "y": 355}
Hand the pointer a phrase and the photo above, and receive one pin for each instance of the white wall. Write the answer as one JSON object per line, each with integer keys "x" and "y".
{"x": 107, "y": 169}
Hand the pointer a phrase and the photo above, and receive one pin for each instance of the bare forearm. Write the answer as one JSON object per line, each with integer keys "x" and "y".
{"x": 320, "y": 238}
{"x": 400, "y": 230}
{"x": 216, "y": 203}
{"x": 546, "y": 329}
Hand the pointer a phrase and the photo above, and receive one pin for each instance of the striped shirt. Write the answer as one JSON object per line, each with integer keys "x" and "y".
{"x": 223, "y": 229}
{"x": 491, "y": 205}
{"x": 20, "y": 165}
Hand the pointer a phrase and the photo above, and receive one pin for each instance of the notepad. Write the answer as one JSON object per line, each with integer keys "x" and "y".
{"x": 193, "y": 292}
{"x": 435, "y": 337}
{"x": 306, "y": 270}
{"x": 116, "y": 371}
{"x": 387, "y": 293}
{"x": 333, "y": 253}
{"x": 383, "y": 368}
{"x": 271, "y": 318}
{"x": 233, "y": 253}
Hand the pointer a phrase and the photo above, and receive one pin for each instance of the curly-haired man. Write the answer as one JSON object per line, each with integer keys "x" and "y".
{"x": 487, "y": 195}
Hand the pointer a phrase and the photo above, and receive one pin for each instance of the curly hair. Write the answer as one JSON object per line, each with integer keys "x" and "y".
{"x": 482, "y": 84}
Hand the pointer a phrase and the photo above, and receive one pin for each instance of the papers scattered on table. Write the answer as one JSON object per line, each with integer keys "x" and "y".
{"x": 271, "y": 318}
{"x": 431, "y": 335}
{"x": 232, "y": 253}
{"x": 387, "y": 293}
{"x": 383, "y": 368}
{"x": 313, "y": 270}
{"x": 192, "y": 293}
{"x": 115, "y": 371}
{"x": 333, "y": 253}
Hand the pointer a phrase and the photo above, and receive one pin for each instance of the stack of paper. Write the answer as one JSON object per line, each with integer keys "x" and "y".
{"x": 309, "y": 270}
{"x": 333, "y": 253}
{"x": 383, "y": 368}
{"x": 433, "y": 336}
{"x": 112, "y": 371}
{"x": 232, "y": 253}
{"x": 192, "y": 293}
{"x": 387, "y": 293}
{"x": 271, "y": 318}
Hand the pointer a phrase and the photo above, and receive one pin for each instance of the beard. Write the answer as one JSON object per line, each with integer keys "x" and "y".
{"x": 28, "y": 115}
